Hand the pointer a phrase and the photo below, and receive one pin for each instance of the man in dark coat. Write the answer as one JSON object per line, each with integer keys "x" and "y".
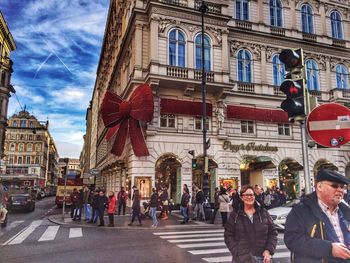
{"x": 136, "y": 207}
{"x": 317, "y": 229}
{"x": 102, "y": 204}
{"x": 79, "y": 205}
{"x": 216, "y": 204}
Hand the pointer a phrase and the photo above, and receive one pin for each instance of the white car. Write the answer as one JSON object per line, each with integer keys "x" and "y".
{"x": 279, "y": 214}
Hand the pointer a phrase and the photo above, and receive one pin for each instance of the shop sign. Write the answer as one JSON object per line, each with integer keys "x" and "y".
{"x": 251, "y": 146}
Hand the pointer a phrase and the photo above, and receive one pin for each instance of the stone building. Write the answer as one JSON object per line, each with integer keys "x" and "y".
{"x": 7, "y": 45}
{"x": 158, "y": 42}
{"x": 30, "y": 153}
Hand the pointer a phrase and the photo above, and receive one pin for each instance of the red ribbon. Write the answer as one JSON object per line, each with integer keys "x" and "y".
{"x": 122, "y": 118}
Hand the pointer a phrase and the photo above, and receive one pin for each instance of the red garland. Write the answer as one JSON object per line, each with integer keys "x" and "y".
{"x": 122, "y": 118}
{"x": 256, "y": 114}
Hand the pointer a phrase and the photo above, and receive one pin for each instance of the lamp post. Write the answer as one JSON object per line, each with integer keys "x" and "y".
{"x": 205, "y": 183}
{"x": 66, "y": 160}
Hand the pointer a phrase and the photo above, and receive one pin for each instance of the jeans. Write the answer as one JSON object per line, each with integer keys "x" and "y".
{"x": 94, "y": 215}
{"x": 121, "y": 204}
{"x": 201, "y": 211}
{"x": 136, "y": 213}
{"x": 87, "y": 209}
{"x": 153, "y": 214}
{"x": 184, "y": 212}
{"x": 224, "y": 218}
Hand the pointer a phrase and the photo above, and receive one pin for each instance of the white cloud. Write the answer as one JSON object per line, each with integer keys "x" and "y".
{"x": 71, "y": 150}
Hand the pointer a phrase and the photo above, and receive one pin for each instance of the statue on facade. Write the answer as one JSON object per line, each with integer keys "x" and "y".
{"x": 220, "y": 113}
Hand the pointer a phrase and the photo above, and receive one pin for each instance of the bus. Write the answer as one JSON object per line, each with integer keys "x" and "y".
{"x": 71, "y": 184}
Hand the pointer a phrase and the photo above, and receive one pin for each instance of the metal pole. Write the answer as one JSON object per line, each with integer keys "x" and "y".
{"x": 305, "y": 151}
{"x": 65, "y": 192}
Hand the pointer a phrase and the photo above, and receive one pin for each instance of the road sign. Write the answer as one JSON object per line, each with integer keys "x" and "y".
{"x": 329, "y": 125}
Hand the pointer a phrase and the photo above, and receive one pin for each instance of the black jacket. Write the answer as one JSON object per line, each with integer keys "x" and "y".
{"x": 200, "y": 197}
{"x": 102, "y": 202}
{"x": 304, "y": 230}
{"x": 154, "y": 202}
{"x": 243, "y": 238}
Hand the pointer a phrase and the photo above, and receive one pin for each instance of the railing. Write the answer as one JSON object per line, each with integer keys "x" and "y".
{"x": 209, "y": 75}
{"x": 212, "y": 8}
{"x": 346, "y": 93}
{"x": 338, "y": 42}
{"x": 244, "y": 24}
{"x": 175, "y": 2}
{"x": 316, "y": 93}
{"x": 277, "y": 91}
{"x": 309, "y": 37}
{"x": 177, "y": 72}
{"x": 277, "y": 31}
{"x": 246, "y": 87}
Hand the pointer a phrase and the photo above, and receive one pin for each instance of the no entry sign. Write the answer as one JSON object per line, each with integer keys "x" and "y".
{"x": 329, "y": 125}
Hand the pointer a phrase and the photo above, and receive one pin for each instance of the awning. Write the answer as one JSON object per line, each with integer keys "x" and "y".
{"x": 257, "y": 163}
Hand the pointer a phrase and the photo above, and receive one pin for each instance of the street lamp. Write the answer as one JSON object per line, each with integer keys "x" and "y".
{"x": 66, "y": 160}
{"x": 205, "y": 183}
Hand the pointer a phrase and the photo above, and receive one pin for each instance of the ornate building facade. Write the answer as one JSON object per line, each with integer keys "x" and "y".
{"x": 7, "y": 45}
{"x": 31, "y": 157}
{"x": 158, "y": 42}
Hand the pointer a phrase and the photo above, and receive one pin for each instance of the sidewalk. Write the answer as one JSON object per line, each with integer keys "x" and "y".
{"x": 121, "y": 222}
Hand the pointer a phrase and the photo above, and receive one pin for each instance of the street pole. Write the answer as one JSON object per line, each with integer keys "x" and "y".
{"x": 205, "y": 183}
{"x": 65, "y": 191}
{"x": 305, "y": 151}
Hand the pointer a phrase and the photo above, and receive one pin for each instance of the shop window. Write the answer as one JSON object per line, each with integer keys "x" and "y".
{"x": 198, "y": 123}
{"x": 167, "y": 120}
{"x": 284, "y": 129}
{"x": 247, "y": 127}
{"x": 145, "y": 186}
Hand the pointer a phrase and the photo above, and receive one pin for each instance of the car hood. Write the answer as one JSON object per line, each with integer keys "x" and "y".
{"x": 278, "y": 211}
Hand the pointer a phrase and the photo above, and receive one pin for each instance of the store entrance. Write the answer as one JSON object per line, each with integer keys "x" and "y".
{"x": 289, "y": 178}
{"x": 168, "y": 177}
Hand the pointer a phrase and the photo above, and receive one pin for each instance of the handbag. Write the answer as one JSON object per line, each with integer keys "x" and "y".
{"x": 258, "y": 259}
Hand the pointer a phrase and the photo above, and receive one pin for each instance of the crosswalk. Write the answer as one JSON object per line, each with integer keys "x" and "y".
{"x": 37, "y": 231}
{"x": 210, "y": 246}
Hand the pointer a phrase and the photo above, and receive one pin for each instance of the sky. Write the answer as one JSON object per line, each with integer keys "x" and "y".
{"x": 58, "y": 49}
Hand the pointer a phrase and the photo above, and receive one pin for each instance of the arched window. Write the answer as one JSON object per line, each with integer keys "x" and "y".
{"x": 177, "y": 48}
{"x": 312, "y": 75}
{"x": 12, "y": 147}
{"x": 14, "y": 123}
{"x": 242, "y": 10}
{"x": 207, "y": 52}
{"x": 278, "y": 71}
{"x": 342, "y": 75}
{"x": 307, "y": 19}
{"x": 275, "y": 13}
{"x": 21, "y": 147}
{"x": 29, "y": 147}
{"x": 337, "y": 31}
{"x": 244, "y": 66}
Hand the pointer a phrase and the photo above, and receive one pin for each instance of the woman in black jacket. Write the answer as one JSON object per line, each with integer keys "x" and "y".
{"x": 250, "y": 234}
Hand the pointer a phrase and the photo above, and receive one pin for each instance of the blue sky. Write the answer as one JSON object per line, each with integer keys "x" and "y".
{"x": 58, "y": 48}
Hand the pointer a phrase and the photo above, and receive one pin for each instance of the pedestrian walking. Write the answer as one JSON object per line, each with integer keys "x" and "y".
{"x": 216, "y": 204}
{"x": 199, "y": 205}
{"x": 185, "y": 200}
{"x": 250, "y": 234}
{"x": 164, "y": 198}
{"x": 79, "y": 206}
{"x": 317, "y": 230}
{"x": 122, "y": 197}
{"x": 136, "y": 208}
{"x": 224, "y": 205}
{"x": 112, "y": 203}
{"x": 154, "y": 202}
{"x": 74, "y": 196}
{"x": 102, "y": 204}
{"x": 86, "y": 203}
{"x": 94, "y": 206}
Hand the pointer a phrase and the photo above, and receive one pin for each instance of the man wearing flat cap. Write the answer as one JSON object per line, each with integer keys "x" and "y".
{"x": 317, "y": 229}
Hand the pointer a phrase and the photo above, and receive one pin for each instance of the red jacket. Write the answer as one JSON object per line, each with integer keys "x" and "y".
{"x": 111, "y": 204}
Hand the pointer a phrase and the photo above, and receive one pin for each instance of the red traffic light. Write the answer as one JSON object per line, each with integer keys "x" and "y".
{"x": 291, "y": 58}
{"x": 291, "y": 88}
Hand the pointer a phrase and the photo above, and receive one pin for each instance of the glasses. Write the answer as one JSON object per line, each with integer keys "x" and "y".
{"x": 247, "y": 195}
{"x": 336, "y": 186}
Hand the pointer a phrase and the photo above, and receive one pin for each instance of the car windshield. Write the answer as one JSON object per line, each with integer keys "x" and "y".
{"x": 291, "y": 203}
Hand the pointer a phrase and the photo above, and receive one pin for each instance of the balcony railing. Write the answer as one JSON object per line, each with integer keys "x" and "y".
{"x": 209, "y": 75}
{"x": 346, "y": 93}
{"x": 339, "y": 42}
{"x": 244, "y": 24}
{"x": 309, "y": 37}
{"x": 212, "y": 8}
{"x": 278, "y": 31}
{"x": 316, "y": 93}
{"x": 277, "y": 91}
{"x": 175, "y": 2}
{"x": 177, "y": 72}
{"x": 246, "y": 87}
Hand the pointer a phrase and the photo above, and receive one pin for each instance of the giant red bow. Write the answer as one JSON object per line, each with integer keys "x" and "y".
{"x": 122, "y": 116}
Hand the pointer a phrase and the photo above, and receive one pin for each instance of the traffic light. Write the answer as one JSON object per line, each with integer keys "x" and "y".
{"x": 194, "y": 163}
{"x": 294, "y": 85}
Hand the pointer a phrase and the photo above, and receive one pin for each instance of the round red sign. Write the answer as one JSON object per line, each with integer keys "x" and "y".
{"x": 329, "y": 124}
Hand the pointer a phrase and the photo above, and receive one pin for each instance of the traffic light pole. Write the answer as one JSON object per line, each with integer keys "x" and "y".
{"x": 305, "y": 151}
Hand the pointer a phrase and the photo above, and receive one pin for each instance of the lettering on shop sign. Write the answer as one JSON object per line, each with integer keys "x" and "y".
{"x": 251, "y": 146}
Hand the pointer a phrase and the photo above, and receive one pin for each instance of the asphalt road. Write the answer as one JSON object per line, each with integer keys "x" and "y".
{"x": 31, "y": 237}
